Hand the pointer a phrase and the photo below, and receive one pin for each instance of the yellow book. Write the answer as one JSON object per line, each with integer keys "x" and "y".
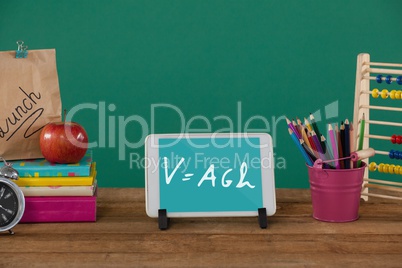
{"x": 84, "y": 190}
{"x": 58, "y": 181}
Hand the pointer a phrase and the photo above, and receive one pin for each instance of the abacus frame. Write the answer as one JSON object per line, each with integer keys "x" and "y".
{"x": 364, "y": 70}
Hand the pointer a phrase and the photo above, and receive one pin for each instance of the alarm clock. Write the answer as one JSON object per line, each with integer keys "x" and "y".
{"x": 12, "y": 201}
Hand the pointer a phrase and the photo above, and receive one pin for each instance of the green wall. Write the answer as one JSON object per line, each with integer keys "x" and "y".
{"x": 226, "y": 62}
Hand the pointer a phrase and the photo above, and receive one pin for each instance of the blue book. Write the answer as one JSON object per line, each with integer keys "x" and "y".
{"x": 40, "y": 167}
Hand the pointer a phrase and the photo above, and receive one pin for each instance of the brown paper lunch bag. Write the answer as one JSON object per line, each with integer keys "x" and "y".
{"x": 29, "y": 99}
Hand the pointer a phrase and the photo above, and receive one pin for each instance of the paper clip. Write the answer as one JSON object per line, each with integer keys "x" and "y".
{"x": 22, "y": 51}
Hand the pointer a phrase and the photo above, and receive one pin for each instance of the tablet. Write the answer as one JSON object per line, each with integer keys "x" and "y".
{"x": 209, "y": 175}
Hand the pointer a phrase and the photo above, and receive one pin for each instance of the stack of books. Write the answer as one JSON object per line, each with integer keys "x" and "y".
{"x": 58, "y": 192}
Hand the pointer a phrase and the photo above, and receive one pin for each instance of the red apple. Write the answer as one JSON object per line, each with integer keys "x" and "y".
{"x": 63, "y": 142}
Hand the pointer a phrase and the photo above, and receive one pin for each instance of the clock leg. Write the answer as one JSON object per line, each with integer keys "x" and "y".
{"x": 11, "y": 231}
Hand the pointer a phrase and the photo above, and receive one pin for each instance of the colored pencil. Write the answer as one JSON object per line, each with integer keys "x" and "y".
{"x": 327, "y": 154}
{"x": 346, "y": 152}
{"x": 342, "y": 131}
{"x": 292, "y": 127}
{"x": 361, "y": 137}
{"x": 318, "y": 145}
{"x": 307, "y": 124}
{"x": 334, "y": 147}
{"x": 312, "y": 144}
{"x": 352, "y": 144}
{"x": 302, "y": 151}
{"x": 300, "y": 126}
{"x": 294, "y": 123}
{"x": 296, "y": 127}
{"x": 304, "y": 136}
{"x": 316, "y": 130}
{"x": 308, "y": 150}
{"x": 342, "y": 140}
{"x": 298, "y": 121}
{"x": 314, "y": 125}
{"x": 340, "y": 152}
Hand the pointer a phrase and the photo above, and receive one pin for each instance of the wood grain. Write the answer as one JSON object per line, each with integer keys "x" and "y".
{"x": 124, "y": 236}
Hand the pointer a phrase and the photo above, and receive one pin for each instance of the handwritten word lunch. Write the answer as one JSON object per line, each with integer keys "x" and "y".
{"x": 209, "y": 175}
{"x": 25, "y": 113}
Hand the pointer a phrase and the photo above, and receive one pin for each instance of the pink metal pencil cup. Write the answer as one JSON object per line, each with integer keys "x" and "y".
{"x": 335, "y": 193}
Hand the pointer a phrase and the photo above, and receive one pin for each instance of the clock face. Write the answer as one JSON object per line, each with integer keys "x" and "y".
{"x": 9, "y": 205}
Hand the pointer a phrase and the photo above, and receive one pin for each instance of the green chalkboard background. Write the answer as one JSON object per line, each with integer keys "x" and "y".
{"x": 132, "y": 67}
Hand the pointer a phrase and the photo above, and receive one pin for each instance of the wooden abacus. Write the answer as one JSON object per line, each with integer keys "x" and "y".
{"x": 389, "y": 74}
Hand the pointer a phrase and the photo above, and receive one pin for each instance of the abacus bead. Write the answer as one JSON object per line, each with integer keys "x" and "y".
{"x": 399, "y": 153}
{"x": 398, "y": 139}
{"x": 391, "y": 169}
{"x": 398, "y": 94}
{"x": 391, "y": 154}
{"x": 386, "y": 168}
{"x": 380, "y": 167}
{"x": 400, "y": 171}
{"x": 372, "y": 166}
{"x": 388, "y": 79}
{"x": 375, "y": 93}
{"x": 379, "y": 79}
{"x": 392, "y": 94}
{"x": 397, "y": 169}
{"x": 384, "y": 93}
{"x": 393, "y": 139}
{"x": 399, "y": 80}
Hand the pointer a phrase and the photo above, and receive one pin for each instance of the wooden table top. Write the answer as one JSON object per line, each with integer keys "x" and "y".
{"x": 124, "y": 236}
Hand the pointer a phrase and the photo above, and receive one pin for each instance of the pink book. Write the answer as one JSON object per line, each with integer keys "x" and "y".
{"x": 60, "y": 209}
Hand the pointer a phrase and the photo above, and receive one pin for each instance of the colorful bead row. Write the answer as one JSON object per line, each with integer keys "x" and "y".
{"x": 386, "y": 168}
{"x": 395, "y": 154}
{"x": 396, "y": 139}
{"x": 388, "y": 79}
{"x": 394, "y": 94}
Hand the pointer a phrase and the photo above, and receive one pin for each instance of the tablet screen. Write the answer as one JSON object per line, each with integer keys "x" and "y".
{"x": 211, "y": 174}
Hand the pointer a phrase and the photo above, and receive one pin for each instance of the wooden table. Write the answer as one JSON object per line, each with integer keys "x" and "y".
{"x": 124, "y": 236}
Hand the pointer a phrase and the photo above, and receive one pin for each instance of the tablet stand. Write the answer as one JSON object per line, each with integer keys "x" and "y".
{"x": 262, "y": 218}
{"x": 163, "y": 220}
